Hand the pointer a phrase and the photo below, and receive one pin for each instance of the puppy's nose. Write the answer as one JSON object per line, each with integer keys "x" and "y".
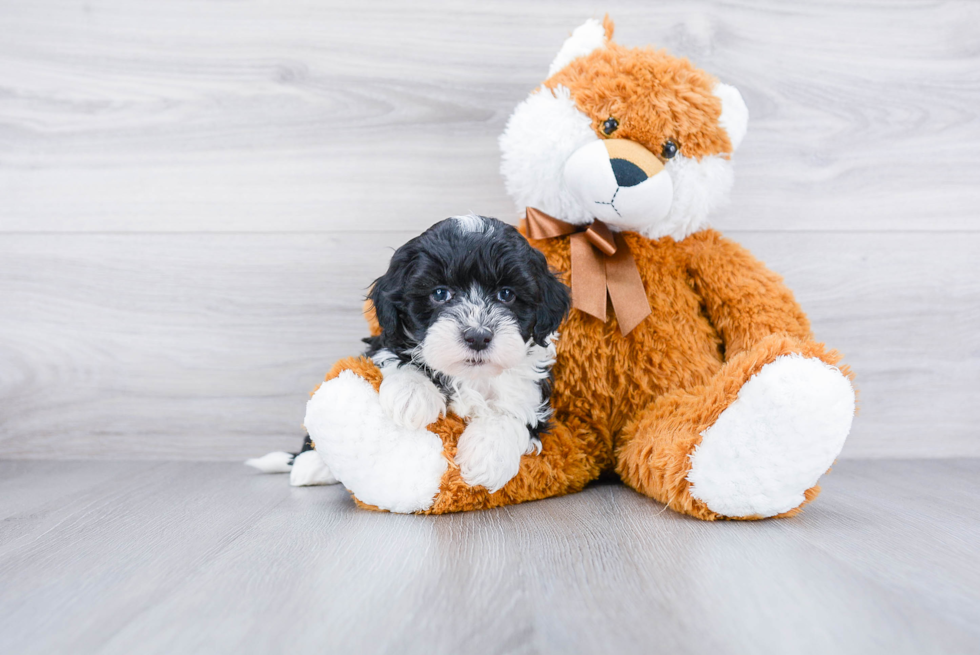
{"x": 477, "y": 338}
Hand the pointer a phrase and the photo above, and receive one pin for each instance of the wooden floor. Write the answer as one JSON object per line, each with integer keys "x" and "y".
{"x": 168, "y": 557}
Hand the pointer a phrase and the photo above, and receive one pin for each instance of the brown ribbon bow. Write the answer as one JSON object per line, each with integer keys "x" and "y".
{"x": 601, "y": 262}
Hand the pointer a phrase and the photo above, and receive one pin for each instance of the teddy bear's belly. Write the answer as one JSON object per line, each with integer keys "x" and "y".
{"x": 606, "y": 379}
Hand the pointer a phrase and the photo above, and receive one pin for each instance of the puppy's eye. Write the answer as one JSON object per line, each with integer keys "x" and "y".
{"x": 669, "y": 150}
{"x": 506, "y": 296}
{"x": 609, "y": 126}
{"x": 441, "y": 295}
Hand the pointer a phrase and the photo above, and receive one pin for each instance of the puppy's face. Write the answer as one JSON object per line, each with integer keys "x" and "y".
{"x": 468, "y": 298}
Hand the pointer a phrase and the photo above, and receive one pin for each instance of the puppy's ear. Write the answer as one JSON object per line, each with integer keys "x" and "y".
{"x": 554, "y": 301}
{"x": 387, "y": 294}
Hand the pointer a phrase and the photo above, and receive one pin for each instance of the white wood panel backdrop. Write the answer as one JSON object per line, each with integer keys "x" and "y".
{"x": 193, "y": 196}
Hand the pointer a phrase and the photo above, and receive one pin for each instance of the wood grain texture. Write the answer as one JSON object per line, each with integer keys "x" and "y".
{"x": 328, "y": 116}
{"x": 154, "y": 557}
{"x": 194, "y": 196}
{"x": 205, "y": 346}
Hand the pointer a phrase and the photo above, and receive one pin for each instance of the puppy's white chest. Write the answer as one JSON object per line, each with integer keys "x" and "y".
{"x": 506, "y": 394}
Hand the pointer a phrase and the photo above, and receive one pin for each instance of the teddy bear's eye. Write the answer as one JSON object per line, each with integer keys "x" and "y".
{"x": 609, "y": 126}
{"x": 669, "y": 149}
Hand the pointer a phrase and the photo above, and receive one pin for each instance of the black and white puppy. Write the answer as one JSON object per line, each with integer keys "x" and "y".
{"x": 468, "y": 312}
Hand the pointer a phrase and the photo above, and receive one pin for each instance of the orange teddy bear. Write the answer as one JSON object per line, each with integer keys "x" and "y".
{"x": 685, "y": 365}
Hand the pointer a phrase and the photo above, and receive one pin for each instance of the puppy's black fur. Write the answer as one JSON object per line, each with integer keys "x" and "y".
{"x": 493, "y": 257}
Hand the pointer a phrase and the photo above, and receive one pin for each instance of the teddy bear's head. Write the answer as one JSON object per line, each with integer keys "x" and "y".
{"x": 634, "y": 137}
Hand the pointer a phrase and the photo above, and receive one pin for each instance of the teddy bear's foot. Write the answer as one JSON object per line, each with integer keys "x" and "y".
{"x": 383, "y": 464}
{"x": 775, "y": 440}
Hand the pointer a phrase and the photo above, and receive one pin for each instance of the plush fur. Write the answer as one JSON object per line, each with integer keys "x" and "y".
{"x": 802, "y": 433}
{"x": 720, "y": 404}
{"x": 541, "y": 135}
{"x": 367, "y": 450}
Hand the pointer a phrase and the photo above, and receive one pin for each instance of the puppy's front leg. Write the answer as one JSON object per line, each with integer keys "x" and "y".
{"x": 409, "y": 397}
{"x": 489, "y": 450}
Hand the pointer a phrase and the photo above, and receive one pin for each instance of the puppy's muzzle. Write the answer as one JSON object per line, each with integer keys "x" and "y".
{"x": 477, "y": 338}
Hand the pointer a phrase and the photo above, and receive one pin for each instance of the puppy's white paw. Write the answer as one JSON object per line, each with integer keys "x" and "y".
{"x": 781, "y": 434}
{"x": 309, "y": 470}
{"x": 382, "y": 463}
{"x": 410, "y": 398}
{"x": 489, "y": 451}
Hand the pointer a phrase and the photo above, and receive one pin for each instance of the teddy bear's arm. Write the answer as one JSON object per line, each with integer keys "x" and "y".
{"x": 393, "y": 468}
{"x": 566, "y": 463}
{"x": 745, "y": 301}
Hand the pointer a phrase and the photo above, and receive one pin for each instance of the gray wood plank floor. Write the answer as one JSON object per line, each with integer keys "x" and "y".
{"x": 170, "y": 557}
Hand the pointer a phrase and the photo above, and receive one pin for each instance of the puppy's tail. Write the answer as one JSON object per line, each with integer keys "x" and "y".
{"x": 306, "y": 468}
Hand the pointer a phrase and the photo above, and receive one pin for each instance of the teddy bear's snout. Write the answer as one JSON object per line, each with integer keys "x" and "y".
{"x": 631, "y": 163}
{"x": 627, "y": 173}
{"x": 620, "y": 182}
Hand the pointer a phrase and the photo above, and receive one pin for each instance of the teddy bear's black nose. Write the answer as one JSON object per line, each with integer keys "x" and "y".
{"x": 477, "y": 338}
{"x": 627, "y": 173}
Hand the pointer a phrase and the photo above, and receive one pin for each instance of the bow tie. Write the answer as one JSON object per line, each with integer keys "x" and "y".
{"x": 601, "y": 263}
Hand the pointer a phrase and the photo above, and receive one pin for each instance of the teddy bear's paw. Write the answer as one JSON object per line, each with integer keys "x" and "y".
{"x": 775, "y": 440}
{"x": 410, "y": 398}
{"x": 309, "y": 470}
{"x": 382, "y": 463}
{"x": 489, "y": 451}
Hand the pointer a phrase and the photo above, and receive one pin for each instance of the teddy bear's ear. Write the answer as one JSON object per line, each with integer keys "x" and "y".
{"x": 590, "y": 35}
{"x": 734, "y": 113}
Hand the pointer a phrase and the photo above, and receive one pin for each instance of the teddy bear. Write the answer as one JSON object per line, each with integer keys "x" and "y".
{"x": 685, "y": 367}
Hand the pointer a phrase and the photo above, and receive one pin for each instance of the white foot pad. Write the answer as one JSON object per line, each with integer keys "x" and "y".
{"x": 781, "y": 434}
{"x": 395, "y": 468}
{"x": 309, "y": 470}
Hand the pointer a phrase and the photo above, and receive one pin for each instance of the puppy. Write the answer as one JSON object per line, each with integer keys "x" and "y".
{"x": 468, "y": 313}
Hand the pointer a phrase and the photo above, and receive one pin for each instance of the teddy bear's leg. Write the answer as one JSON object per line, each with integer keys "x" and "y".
{"x": 399, "y": 469}
{"x": 752, "y": 442}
